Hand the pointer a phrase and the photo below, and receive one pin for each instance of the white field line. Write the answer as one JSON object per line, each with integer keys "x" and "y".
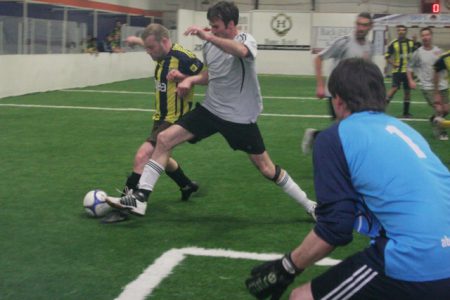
{"x": 202, "y": 95}
{"x": 152, "y": 110}
{"x": 76, "y": 107}
{"x": 152, "y": 93}
{"x": 154, "y": 274}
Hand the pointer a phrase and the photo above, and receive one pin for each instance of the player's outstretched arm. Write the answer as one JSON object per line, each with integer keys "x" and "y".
{"x": 134, "y": 40}
{"x": 227, "y": 45}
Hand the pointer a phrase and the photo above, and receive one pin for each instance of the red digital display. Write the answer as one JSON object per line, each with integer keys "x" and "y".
{"x": 436, "y": 8}
{"x": 430, "y": 6}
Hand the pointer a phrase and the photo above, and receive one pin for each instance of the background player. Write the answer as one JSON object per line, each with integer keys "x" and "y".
{"x": 405, "y": 211}
{"x": 422, "y": 64}
{"x": 441, "y": 65}
{"x": 397, "y": 55}
{"x": 352, "y": 45}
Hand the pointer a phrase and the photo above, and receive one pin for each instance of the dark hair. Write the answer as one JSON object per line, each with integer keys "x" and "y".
{"x": 365, "y": 15}
{"x": 401, "y": 26}
{"x": 225, "y": 11}
{"x": 426, "y": 29}
{"x": 360, "y": 84}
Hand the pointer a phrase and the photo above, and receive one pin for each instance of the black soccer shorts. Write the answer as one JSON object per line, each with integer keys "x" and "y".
{"x": 355, "y": 279}
{"x": 202, "y": 124}
{"x": 399, "y": 78}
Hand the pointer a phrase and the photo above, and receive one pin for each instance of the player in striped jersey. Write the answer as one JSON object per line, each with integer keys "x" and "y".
{"x": 397, "y": 55}
{"x": 401, "y": 201}
{"x": 173, "y": 63}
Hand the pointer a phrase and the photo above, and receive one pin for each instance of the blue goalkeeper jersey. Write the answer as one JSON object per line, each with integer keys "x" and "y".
{"x": 377, "y": 172}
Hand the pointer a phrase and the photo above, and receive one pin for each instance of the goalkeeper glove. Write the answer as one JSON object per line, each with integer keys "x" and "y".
{"x": 272, "y": 278}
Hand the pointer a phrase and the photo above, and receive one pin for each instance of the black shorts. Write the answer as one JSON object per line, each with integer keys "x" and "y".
{"x": 158, "y": 126}
{"x": 354, "y": 278}
{"x": 398, "y": 78}
{"x": 202, "y": 124}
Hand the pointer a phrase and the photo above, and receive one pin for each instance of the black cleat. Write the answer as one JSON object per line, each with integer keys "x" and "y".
{"x": 188, "y": 190}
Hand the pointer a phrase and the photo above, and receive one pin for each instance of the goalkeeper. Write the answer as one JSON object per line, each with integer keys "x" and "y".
{"x": 375, "y": 174}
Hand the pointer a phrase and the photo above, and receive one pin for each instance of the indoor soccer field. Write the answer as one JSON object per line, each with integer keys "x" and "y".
{"x": 56, "y": 146}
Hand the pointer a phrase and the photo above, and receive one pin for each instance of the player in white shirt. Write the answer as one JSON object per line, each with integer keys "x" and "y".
{"x": 421, "y": 64}
{"x": 348, "y": 46}
{"x": 231, "y": 107}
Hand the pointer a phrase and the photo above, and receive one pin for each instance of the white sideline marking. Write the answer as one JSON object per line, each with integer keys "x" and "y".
{"x": 151, "y": 110}
{"x": 202, "y": 95}
{"x": 152, "y": 276}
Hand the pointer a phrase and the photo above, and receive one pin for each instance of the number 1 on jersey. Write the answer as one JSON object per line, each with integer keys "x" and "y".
{"x": 394, "y": 130}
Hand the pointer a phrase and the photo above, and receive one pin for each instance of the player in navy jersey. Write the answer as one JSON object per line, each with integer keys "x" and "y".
{"x": 374, "y": 174}
{"x": 173, "y": 63}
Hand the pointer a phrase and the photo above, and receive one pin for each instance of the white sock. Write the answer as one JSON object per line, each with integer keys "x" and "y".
{"x": 292, "y": 189}
{"x": 152, "y": 171}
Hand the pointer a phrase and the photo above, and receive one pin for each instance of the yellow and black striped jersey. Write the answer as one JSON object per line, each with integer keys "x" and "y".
{"x": 170, "y": 107}
{"x": 443, "y": 62}
{"x": 400, "y": 51}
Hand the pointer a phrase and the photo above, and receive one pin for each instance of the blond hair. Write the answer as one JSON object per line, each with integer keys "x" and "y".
{"x": 157, "y": 30}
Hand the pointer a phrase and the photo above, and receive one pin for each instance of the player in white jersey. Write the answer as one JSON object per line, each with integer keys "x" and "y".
{"x": 421, "y": 63}
{"x": 353, "y": 45}
{"x": 348, "y": 46}
{"x": 231, "y": 107}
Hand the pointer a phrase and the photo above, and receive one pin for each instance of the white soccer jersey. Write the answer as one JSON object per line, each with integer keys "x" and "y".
{"x": 421, "y": 63}
{"x": 346, "y": 47}
{"x": 233, "y": 92}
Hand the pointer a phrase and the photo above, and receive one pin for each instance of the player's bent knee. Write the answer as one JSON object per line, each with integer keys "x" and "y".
{"x": 164, "y": 141}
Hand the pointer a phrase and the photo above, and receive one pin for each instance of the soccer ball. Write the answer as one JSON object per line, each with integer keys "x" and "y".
{"x": 95, "y": 205}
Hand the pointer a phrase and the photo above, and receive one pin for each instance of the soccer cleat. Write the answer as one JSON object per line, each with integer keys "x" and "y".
{"x": 135, "y": 203}
{"x": 188, "y": 190}
{"x": 126, "y": 191}
{"x": 443, "y": 136}
{"x": 308, "y": 140}
{"x": 312, "y": 209}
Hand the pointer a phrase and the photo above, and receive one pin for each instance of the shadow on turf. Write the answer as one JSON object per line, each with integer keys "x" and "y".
{"x": 164, "y": 211}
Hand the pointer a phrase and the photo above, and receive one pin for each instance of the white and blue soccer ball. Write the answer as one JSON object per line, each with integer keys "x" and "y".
{"x": 95, "y": 204}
